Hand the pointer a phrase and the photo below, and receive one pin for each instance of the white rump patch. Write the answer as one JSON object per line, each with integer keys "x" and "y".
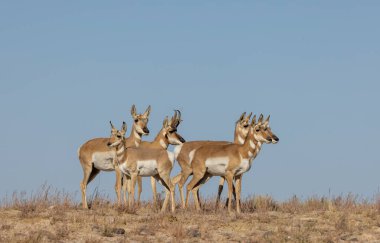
{"x": 177, "y": 150}
{"x": 171, "y": 157}
{"x": 147, "y": 167}
{"x": 217, "y": 165}
{"x": 103, "y": 160}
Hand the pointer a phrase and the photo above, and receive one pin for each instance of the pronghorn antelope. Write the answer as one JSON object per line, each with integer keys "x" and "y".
{"x": 134, "y": 162}
{"x": 95, "y": 155}
{"x": 185, "y": 151}
{"x": 275, "y": 140}
{"x": 167, "y": 135}
{"x": 229, "y": 161}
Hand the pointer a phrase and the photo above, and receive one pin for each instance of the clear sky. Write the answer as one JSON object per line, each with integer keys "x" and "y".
{"x": 68, "y": 67}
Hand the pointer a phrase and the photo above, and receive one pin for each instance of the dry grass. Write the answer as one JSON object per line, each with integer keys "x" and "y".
{"x": 48, "y": 215}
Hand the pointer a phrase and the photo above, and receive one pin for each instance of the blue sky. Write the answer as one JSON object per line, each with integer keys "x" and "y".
{"x": 67, "y": 68}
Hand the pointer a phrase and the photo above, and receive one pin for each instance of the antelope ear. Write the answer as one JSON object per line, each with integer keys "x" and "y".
{"x": 113, "y": 129}
{"x": 147, "y": 112}
{"x": 124, "y": 128}
{"x": 133, "y": 111}
{"x": 165, "y": 122}
{"x": 253, "y": 122}
{"x": 260, "y": 119}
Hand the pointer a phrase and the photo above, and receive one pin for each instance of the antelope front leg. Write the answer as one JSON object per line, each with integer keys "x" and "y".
{"x": 220, "y": 189}
{"x": 118, "y": 185}
{"x": 185, "y": 173}
{"x": 165, "y": 178}
{"x": 139, "y": 186}
{"x": 238, "y": 192}
{"x": 132, "y": 189}
{"x": 83, "y": 185}
{"x": 154, "y": 190}
{"x": 229, "y": 177}
{"x": 126, "y": 187}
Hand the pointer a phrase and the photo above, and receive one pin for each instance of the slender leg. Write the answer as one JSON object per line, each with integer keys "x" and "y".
{"x": 233, "y": 193}
{"x": 132, "y": 189}
{"x": 238, "y": 192}
{"x": 220, "y": 189}
{"x": 184, "y": 176}
{"x": 139, "y": 186}
{"x": 118, "y": 184}
{"x": 83, "y": 185}
{"x": 229, "y": 177}
{"x": 195, "y": 190}
{"x": 126, "y": 187}
{"x": 198, "y": 174}
{"x": 165, "y": 179}
{"x": 154, "y": 189}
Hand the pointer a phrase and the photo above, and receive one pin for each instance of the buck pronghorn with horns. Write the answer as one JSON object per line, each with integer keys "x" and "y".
{"x": 96, "y": 156}
{"x": 229, "y": 161}
{"x": 158, "y": 163}
{"x": 275, "y": 140}
{"x": 185, "y": 152}
{"x": 167, "y": 135}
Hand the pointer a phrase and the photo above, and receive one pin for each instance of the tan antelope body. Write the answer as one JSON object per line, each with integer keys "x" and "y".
{"x": 229, "y": 161}
{"x": 95, "y": 155}
{"x": 145, "y": 162}
{"x": 270, "y": 134}
{"x": 185, "y": 152}
{"x": 167, "y": 135}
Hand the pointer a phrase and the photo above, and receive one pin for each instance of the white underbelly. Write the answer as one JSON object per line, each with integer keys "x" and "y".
{"x": 147, "y": 167}
{"x": 217, "y": 165}
{"x": 103, "y": 160}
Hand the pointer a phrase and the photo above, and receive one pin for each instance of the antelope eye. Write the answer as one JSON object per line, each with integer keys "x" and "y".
{"x": 136, "y": 120}
{"x": 257, "y": 130}
{"x": 118, "y": 136}
{"x": 245, "y": 126}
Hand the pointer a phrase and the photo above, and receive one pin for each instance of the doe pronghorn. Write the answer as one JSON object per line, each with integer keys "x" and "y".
{"x": 229, "y": 161}
{"x": 185, "y": 151}
{"x": 152, "y": 162}
{"x": 167, "y": 135}
{"x": 275, "y": 140}
{"x": 95, "y": 155}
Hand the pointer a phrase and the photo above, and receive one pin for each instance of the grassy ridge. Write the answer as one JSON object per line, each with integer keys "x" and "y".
{"x": 50, "y": 215}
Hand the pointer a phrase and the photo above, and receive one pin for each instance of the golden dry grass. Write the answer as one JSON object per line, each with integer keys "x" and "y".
{"x": 54, "y": 216}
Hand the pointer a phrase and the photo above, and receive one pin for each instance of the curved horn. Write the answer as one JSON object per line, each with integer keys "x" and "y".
{"x": 249, "y": 116}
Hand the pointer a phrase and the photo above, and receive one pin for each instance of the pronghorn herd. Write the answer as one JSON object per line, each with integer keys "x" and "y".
{"x": 132, "y": 159}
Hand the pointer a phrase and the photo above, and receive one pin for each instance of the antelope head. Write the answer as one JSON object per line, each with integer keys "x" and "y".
{"x": 257, "y": 129}
{"x": 117, "y": 136}
{"x": 242, "y": 125}
{"x": 169, "y": 129}
{"x": 268, "y": 130}
{"x": 141, "y": 120}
